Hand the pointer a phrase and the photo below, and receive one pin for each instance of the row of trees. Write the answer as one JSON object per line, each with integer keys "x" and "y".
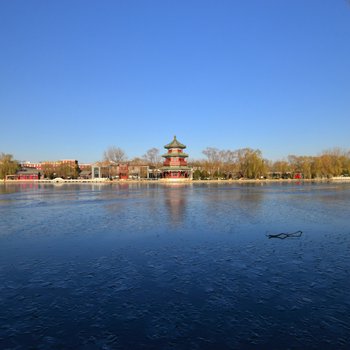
{"x": 242, "y": 163}
{"x": 250, "y": 164}
{"x": 114, "y": 155}
{"x": 331, "y": 163}
{"x": 245, "y": 162}
{"x": 9, "y": 166}
{"x": 64, "y": 170}
{"x": 117, "y": 155}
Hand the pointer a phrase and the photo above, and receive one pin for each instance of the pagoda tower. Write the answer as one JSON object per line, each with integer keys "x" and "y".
{"x": 175, "y": 164}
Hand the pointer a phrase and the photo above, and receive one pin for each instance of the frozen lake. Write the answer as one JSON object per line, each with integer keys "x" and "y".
{"x": 174, "y": 267}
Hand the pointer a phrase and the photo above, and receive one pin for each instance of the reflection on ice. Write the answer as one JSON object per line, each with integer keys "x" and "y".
{"x": 175, "y": 203}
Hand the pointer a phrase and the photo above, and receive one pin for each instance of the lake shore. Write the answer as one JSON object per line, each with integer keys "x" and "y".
{"x": 146, "y": 181}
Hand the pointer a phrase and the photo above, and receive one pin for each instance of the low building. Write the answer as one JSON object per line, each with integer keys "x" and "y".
{"x": 121, "y": 171}
{"x": 30, "y": 165}
{"x": 85, "y": 174}
{"x": 85, "y": 166}
{"x": 25, "y": 174}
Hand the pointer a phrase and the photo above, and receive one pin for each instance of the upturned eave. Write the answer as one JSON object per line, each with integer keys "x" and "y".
{"x": 170, "y": 155}
{"x": 175, "y": 144}
{"x": 175, "y": 168}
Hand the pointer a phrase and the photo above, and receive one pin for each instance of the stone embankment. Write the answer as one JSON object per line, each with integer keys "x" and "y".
{"x": 341, "y": 178}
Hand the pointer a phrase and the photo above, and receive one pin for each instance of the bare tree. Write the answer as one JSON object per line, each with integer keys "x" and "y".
{"x": 115, "y": 155}
{"x": 228, "y": 160}
{"x": 137, "y": 161}
{"x": 153, "y": 157}
{"x": 213, "y": 154}
{"x": 213, "y": 162}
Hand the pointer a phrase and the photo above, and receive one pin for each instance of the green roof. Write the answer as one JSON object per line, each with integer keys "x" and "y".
{"x": 180, "y": 155}
{"x": 175, "y": 168}
{"x": 175, "y": 144}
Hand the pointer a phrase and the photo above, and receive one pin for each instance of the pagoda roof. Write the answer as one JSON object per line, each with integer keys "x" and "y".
{"x": 175, "y": 168}
{"x": 175, "y": 144}
{"x": 177, "y": 154}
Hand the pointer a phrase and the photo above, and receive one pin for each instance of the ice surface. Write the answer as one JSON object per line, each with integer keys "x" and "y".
{"x": 189, "y": 267}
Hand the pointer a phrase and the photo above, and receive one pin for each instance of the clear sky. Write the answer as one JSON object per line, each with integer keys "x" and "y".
{"x": 77, "y": 76}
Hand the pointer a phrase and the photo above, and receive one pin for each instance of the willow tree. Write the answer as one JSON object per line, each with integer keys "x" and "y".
{"x": 48, "y": 170}
{"x": 8, "y": 166}
{"x": 301, "y": 164}
{"x": 335, "y": 162}
{"x": 66, "y": 170}
{"x": 280, "y": 166}
{"x": 251, "y": 164}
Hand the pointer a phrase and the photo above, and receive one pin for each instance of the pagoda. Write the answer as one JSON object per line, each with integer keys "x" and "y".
{"x": 175, "y": 164}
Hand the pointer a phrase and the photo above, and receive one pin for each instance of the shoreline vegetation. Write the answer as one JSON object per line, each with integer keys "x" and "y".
{"x": 165, "y": 182}
{"x": 244, "y": 164}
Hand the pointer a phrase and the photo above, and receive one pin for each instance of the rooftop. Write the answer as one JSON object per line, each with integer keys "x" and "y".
{"x": 171, "y": 155}
{"x": 174, "y": 144}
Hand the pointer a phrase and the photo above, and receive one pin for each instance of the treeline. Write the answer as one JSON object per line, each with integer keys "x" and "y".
{"x": 218, "y": 164}
{"x": 7, "y": 165}
{"x": 63, "y": 170}
{"x": 249, "y": 164}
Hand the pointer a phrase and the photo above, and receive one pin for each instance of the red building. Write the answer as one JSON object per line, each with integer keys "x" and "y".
{"x": 175, "y": 164}
{"x": 25, "y": 174}
{"x": 30, "y": 165}
{"x": 123, "y": 171}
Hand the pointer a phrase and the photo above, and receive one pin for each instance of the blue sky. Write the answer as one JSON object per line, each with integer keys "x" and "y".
{"x": 79, "y": 76}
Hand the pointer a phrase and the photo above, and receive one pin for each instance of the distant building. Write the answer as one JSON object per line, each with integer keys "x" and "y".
{"x": 154, "y": 173}
{"x": 175, "y": 164}
{"x": 25, "y": 174}
{"x": 121, "y": 171}
{"x": 138, "y": 171}
{"x": 55, "y": 163}
{"x": 101, "y": 170}
{"x": 70, "y": 162}
{"x": 85, "y": 171}
{"x": 30, "y": 165}
{"x": 85, "y": 166}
